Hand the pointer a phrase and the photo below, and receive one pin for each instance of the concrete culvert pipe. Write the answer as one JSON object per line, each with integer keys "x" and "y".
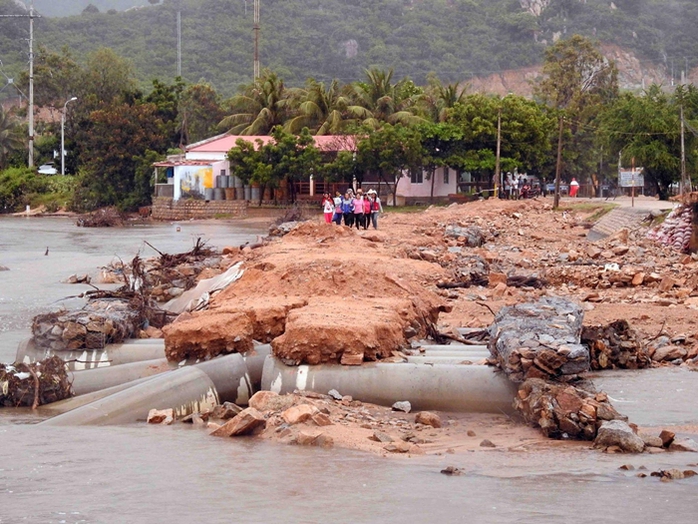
{"x": 89, "y": 380}
{"x": 444, "y": 387}
{"x": 111, "y": 355}
{"x": 185, "y": 390}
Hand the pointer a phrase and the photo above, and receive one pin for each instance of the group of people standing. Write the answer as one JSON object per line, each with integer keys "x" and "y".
{"x": 355, "y": 209}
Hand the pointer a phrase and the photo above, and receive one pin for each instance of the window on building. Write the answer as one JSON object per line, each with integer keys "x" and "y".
{"x": 417, "y": 176}
{"x": 222, "y": 172}
{"x": 446, "y": 175}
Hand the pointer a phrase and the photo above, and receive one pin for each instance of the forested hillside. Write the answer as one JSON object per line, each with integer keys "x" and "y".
{"x": 455, "y": 39}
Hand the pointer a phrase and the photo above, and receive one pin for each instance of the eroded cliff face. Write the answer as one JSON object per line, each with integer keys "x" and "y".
{"x": 633, "y": 74}
{"x": 535, "y": 7}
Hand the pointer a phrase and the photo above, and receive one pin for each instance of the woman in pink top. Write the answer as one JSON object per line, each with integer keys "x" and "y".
{"x": 358, "y": 210}
{"x": 367, "y": 211}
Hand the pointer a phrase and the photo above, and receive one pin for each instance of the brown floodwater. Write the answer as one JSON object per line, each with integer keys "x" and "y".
{"x": 145, "y": 474}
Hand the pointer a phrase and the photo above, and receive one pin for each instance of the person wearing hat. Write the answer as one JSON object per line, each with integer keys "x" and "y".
{"x": 376, "y": 207}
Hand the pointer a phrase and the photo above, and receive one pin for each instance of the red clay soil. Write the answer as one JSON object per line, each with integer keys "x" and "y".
{"x": 326, "y": 293}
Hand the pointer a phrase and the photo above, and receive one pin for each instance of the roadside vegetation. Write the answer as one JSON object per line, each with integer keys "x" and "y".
{"x": 115, "y": 130}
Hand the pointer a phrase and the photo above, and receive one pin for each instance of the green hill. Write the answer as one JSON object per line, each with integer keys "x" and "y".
{"x": 455, "y": 39}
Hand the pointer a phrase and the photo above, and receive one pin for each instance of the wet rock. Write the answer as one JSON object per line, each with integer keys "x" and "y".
{"x": 618, "y": 433}
{"x": 314, "y": 438}
{"x": 279, "y": 230}
{"x": 562, "y": 410}
{"x": 684, "y": 444}
{"x": 487, "y": 444}
{"x": 299, "y": 414}
{"x": 667, "y": 437}
{"x": 451, "y": 471}
{"x": 226, "y": 411}
{"x": 673, "y": 474}
{"x": 270, "y": 401}
{"x": 243, "y": 423}
{"x": 651, "y": 441}
{"x": 428, "y": 419}
{"x": 627, "y": 467}
{"x": 4, "y": 268}
{"x": 334, "y": 394}
{"x": 403, "y": 405}
{"x": 161, "y": 416}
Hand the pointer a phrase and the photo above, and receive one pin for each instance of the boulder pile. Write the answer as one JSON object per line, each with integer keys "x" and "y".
{"x": 100, "y": 322}
{"x": 563, "y": 410}
{"x": 615, "y": 346}
{"x": 539, "y": 340}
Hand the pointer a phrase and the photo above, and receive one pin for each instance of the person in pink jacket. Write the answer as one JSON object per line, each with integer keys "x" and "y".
{"x": 358, "y": 210}
{"x": 367, "y": 211}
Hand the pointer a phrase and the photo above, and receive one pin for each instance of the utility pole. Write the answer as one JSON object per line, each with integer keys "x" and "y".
{"x": 30, "y": 116}
{"x": 497, "y": 170}
{"x": 558, "y": 166}
{"x": 685, "y": 184}
{"x": 30, "y": 161}
{"x": 255, "y": 28}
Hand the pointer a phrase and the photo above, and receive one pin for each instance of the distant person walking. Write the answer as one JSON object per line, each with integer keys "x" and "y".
{"x": 348, "y": 209}
{"x": 328, "y": 208}
{"x": 574, "y": 188}
{"x": 376, "y": 207}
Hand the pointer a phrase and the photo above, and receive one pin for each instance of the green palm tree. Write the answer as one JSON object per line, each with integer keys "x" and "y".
{"x": 261, "y": 106}
{"x": 10, "y": 137}
{"x": 322, "y": 109}
{"x": 439, "y": 99}
{"x": 379, "y": 100}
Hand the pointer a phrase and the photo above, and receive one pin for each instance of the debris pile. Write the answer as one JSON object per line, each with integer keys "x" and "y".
{"x": 35, "y": 384}
{"x": 615, "y": 346}
{"x": 105, "y": 217}
{"x": 314, "y": 304}
{"x": 539, "y": 340}
{"x": 563, "y": 410}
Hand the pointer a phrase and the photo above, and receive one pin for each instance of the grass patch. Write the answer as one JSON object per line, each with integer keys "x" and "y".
{"x": 593, "y": 210}
{"x": 410, "y": 209}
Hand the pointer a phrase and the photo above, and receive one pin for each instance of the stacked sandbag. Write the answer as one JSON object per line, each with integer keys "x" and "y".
{"x": 615, "y": 346}
{"x": 564, "y": 411}
{"x": 539, "y": 340}
{"x": 676, "y": 229}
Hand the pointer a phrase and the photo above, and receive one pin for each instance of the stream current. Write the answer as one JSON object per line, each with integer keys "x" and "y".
{"x": 144, "y": 474}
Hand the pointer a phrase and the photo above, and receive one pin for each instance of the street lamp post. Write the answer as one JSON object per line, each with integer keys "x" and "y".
{"x": 65, "y": 107}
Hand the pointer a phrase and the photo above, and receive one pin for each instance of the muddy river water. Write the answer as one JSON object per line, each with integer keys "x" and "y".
{"x": 141, "y": 474}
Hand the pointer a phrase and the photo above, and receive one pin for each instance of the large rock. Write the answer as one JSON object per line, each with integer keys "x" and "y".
{"x": 619, "y": 433}
{"x": 428, "y": 419}
{"x": 160, "y": 416}
{"x": 243, "y": 423}
{"x": 539, "y": 340}
{"x": 299, "y": 414}
{"x": 270, "y": 401}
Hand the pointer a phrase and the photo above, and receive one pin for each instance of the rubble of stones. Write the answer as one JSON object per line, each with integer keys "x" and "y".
{"x": 302, "y": 418}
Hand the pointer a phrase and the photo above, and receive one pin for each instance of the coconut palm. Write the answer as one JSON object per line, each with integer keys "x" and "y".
{"x": 10, "y": 138}
{"x": 322, "y": 109}
{"x": 379, "y": 100}
{"x": 262, "y": 105}
{"x": 439, "y": 99}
